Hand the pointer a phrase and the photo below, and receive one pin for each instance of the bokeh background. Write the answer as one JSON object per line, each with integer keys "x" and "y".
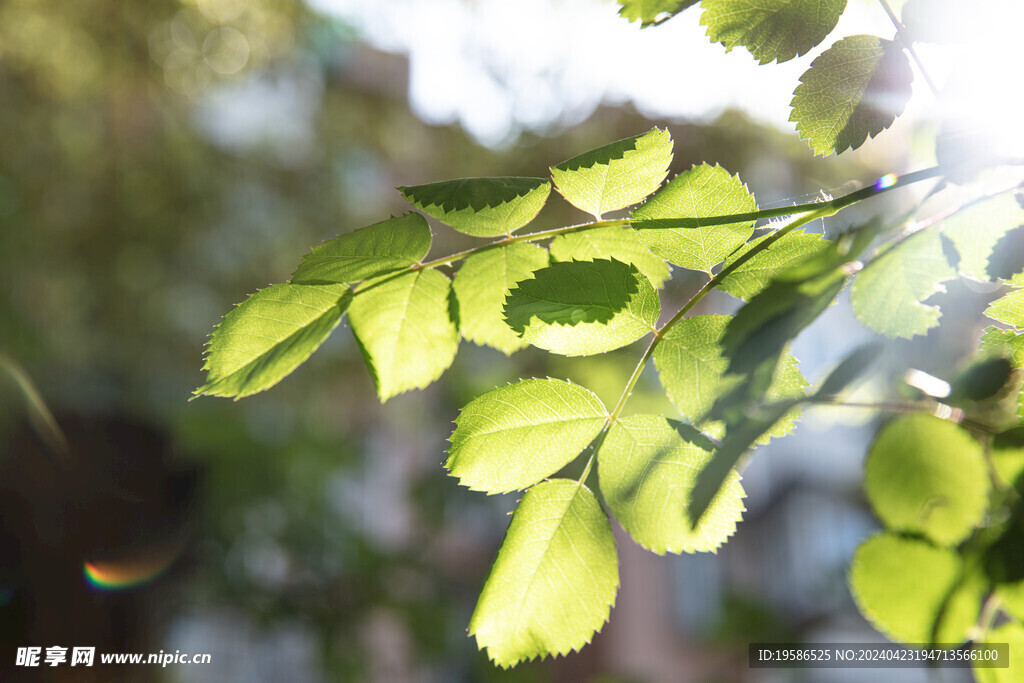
{"x": 160, "y": 160}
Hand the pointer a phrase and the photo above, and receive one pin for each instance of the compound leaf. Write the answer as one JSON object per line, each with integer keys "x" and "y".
{"x": 481, "y": 285}
{"x": 901, "y": 585}
{"x": 926, "y": 475}
{"x": 605, "y": 243}
{"x": 647, "y": 467}
{"x": 755, "y": 274}
{"x": 268, "y": 335}
{"x": 514, "y": 436}
{"x": 405, "y": 331}
{"x": 887, "y": 295}
{"x": 381, "y": 248}
{"x": 581, "y": 308}
{"x": 854, "y": 89}
{"x": 482, "y": 207}
{"x": 771, "y": 29}
{"x": 617, "y": 175}
{"x": 669, "y": 222}
{"x": 1008, "y": 309}
{"x": 652, "y": 12}
{"x": 554, "y": 580}
{"x": 976, "y": 230}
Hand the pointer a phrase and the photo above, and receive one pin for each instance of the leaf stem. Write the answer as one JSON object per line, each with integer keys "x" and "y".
{"x": 901, "y": 31}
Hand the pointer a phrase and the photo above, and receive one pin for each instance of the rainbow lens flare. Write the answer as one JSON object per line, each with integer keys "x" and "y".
{"x": 886, "y": 181}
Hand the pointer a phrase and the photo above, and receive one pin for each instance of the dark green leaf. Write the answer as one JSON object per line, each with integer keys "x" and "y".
{"x": 652, "y": 12}
{"x": 617, "y": 175}
{"x": 605, "y": 243}
{"x": 514, "y": 436}
{"x": 669, "y": 222}
{"x": 583, "y": 307}
{"x": 554, "y": 580}
{"x": 482, "y": 207}
{"x": 771, "y": 29}
{"x": 647, "y": 468}
{"x": 481, "y": 285}
{"x": 384, "y": 247}
{"x": 268, "y": 335}
{"x": 854, "y": 89}
{"x": 405, "y": 330}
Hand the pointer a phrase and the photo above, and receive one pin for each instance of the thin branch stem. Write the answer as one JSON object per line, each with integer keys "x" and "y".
{"x": 901, "y": 31}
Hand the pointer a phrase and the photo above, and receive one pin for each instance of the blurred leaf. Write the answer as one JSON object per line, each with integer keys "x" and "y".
{"x": 755, "y": 274}
{"x": 480, "y": 288}
{"x": 554, "y": 580}
{"x": 981, "y": 380}
{"x": 405, "y": 331}
{"x": 887, "y": 295}
{"x": 651, "y": 12}
{"x": 647, "y": 467}
{"x": 1007, "y": 455}
{"x": 959, "y": 612}
{"x": 514, "y": 436}
{"x": 1011, "y": 632}
{"x": 901, "y": 584}
{"x": 394, "y": 244}
{"x": 925, "y": 475}
{"x": 850, "y": 368}
{"x": 976, "y": 230}
{"x": 852, "y": 90}
{"x": 1008, "y": 309}
{"x": 771, "y": 29}
{"x": 605, "y": 243}
{"x": 268, "y": 335}
{"x": 581, "y": 308}
{"x": 669, "y": 222}
{"x": 482, "y": 207}
{"x": 617, "y": 175}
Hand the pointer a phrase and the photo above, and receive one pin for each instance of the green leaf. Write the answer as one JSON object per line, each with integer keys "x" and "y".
{"x": 1005, "y": 343}
{"x": 959, "y": 612}
{"x": 647, "y": 467}
{"x": 1012, "y": 633}
{"x": 652, "y": 12}
{"x": 1008, "y": 459}
{"x": 480, "y": 288}
{"x": 394, "y": 244}
{"x": 605, "y": 243}
{"x": 268, "y": 335}
{"x": 854, "y": 89}
{"x": 514, "y": 436}
{"x": 901, "y": 584}
{"x": 617, "y": 175}
{"x": 755, "y": 274}
{"x": 405, "y": 331}
{"x": 693, "y": 370}
{"x": 1008, "y": 309}
{"x": 850, "y": 368}
{"x": 554, "y": 580}
{"x": 581, "y": 308}
{"x": 976, "y": 230}
{"x": 669, "y": 222}
{"x": 925, "y": 475}
{"x": 482, "y": 207}
{"x": 888, "y": 294}
{"x": 771, "y": 29}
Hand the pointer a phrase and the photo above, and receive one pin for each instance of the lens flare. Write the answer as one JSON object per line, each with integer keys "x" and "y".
{"x": 888, "y": 180}
{"x": 122, "y": 573}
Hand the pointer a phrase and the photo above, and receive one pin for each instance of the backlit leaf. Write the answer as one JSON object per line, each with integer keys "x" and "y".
{"x": 977, "y": 229}
{"x": 482, "y": 207}
{"x": 605, "y": 243}
{"x": 755, "y": 274}
{"x": 1008, "y": 309}
{"x": 480, "y": 288}
{"x": 852, "y": 90}
{"x": 514, "y": 436}
{"x": 650, "y": 12}
{"x": 771, "y": 29}
{"x": 384, "y": 247}
{"x": 901, "y": 584}
{"x": 581, "y": 308}
{"x": 888, "y": 294}
{"x": 926, "y": 475}
{"x": 617, "y": 175}
{"x": 268, "y": 335}
{"x": 1011, "y": 633}
{"x": 554, "y": 580}
{"x": 1005, "y": 343}
{"x": 405, "y": 330}
{"x": 647, "y": 467}
{"x": 669, "y": 222}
